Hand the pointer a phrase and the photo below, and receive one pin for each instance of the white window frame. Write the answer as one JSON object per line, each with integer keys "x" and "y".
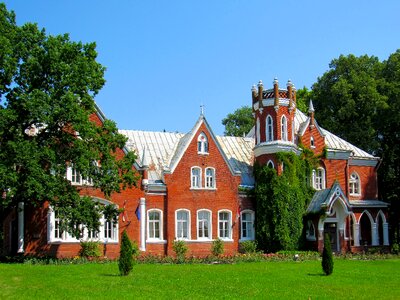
{"x": 55, "y": 236}
{"x": 225, "y": 225}
{"x": 318, "y": 177}
{"x": 312, "y": 142}
{"x": 201, "y": 222}
{"x": 284, "y": 128}
{"x": 251, "y": 236}
{"x": 178, "y": 236}
{"x": 270, "y": 164}
{"x": 269, "y": 129}
{"x": 150, "y": 231}
{"x": 354, "y": 184}
{"x": 192, "y": 178}
{"x": 210, "y": 180}
{"x": 258, "y": 131}
{"x": 76, "y": 178}
{"x": 202, "y": 143}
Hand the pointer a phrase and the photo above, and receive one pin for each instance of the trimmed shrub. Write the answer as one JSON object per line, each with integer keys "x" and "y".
{"x": 248, "y": 247}
{"x": 90, "y": 249}
{"x": 125, "y": 263}
{"x": 327, "y": 259}
{"x": 180, "y": 248}
{"x": 217, "y": 247}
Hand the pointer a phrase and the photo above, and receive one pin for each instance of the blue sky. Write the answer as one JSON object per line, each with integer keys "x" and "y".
{"x": 166, "y": 58}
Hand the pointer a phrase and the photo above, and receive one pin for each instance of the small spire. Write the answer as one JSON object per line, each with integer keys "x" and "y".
{"x": 253, "y": 88}
{"x": 144, "y": 162}
{"x": 275, "y": 80}
{"x": 289, "y": 83}
{"x": 202, "y": 109}
{"x": 260, "y": 83}
{"x": 311, "y": 107}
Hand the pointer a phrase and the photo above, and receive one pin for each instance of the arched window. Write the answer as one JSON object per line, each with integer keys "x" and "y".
{"x": 270, "y": 164}
{"x": 182, "y": 217}
{"x": 196, "y": 178}
{"x": 310, "y": 231}
{"x": 247, "y": 225}
{"x": 258, "y": 131}
{"x": 225, "y": 225}
{"x": 210, "y": 178}
{"x": 269, "y": 132}
{"x": 154, "y": 224}
{"x": 319, "y": 178}
{"x": 204, "y": 230}
{"x": 202, "y": 143}
{"x": 354, "y": 184}
{"x": 284, "y": 129}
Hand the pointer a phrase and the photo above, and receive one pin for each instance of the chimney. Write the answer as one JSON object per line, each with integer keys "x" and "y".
{"x": 289, "y": 86}
{"x": 276, "y": 94}
{"x": 311, "y": 114}
{"x": 254, "y": 93}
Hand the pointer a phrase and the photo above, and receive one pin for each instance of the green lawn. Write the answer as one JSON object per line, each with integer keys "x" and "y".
{"x": 351, "y": 279}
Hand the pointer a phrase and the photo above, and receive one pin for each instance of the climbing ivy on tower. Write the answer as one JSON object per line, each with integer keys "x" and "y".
{"x": 281, "y": 201}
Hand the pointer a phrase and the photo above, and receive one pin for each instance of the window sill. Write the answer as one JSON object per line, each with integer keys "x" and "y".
{"x": 203, "y": 153}
{"x": 154, "y": 241}
{"x": 226, "y": 240}
{"x": 70, "y": 241}
{"x": 202, "y": 189}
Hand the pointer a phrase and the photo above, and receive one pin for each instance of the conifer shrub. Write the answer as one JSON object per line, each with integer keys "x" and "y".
{"x": 180, "y": 248}
{"x": 327, "y": 259}
{"x": 125, "y": 263}
{"x": 217, "y": 247}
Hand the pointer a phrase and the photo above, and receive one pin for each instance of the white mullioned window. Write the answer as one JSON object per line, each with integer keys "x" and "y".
{"x": 182, "y": 221}
{"x": 204, "y": 230}
{"x": 270, "y": 164}
{"x": 319, "y": 178}
{"x": 75, "y": 177}
{"x": 202, "y": 143}
{"x": 310, "y": 231}
{"x": 107, "y": 232}
{"x": 196, "y": 177}
{"x": 258, "y": 131}
{"x": 247, "y": 225}
{"x": 154, "y": 225}
{"x": 284, "y": 129}
{"x": 225, "y": 225}
{"x": 354, "y": 184}
{"x": 210, "y": 178}
{"x": 269, "y": 130}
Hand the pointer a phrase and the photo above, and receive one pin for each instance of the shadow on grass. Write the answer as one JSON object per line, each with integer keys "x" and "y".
{"x": 110, "y": 275}
{"x": 316, "y": 274}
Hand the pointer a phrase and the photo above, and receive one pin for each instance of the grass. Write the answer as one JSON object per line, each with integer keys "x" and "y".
{"x": 351, "y": 279}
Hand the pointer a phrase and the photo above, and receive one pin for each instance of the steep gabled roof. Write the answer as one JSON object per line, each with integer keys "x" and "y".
{"x": 163, "y": 150}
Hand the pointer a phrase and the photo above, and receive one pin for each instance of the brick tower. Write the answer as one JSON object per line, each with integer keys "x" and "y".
{"x": 274, "y": 113}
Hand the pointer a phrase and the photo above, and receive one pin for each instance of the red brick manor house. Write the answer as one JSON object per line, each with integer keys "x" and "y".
{"x": 193, "y": 188}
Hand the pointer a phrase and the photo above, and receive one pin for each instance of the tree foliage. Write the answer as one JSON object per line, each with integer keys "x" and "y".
{"x": 281, "y": 203}
{"x": 47, "y": 89}
{"x": 303, "y": 97}
{"x": 348, "y": 99}
{"x": 239, "y": 123}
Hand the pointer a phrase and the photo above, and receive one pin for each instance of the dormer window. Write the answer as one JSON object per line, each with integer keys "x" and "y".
{"x": 284, "y": 129}
{"x": 202, "y": 143}
{"x": 312, "y": 144}
{"x": 270, "y": 129}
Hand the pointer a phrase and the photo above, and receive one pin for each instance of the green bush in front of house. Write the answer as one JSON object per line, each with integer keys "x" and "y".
{"x": 90, "y": 249}
{"x": 125, "y": 263}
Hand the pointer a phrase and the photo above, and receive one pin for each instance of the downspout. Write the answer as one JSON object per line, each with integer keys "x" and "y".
{"x": 20, "y": 227}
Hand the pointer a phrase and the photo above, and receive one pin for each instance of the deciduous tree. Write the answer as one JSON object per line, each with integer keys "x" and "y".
{"x": 47, "y": 89}
{"x": 238, "y": 123}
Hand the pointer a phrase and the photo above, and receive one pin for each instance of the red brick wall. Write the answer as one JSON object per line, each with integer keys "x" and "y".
{"x": 181, "y": 196}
